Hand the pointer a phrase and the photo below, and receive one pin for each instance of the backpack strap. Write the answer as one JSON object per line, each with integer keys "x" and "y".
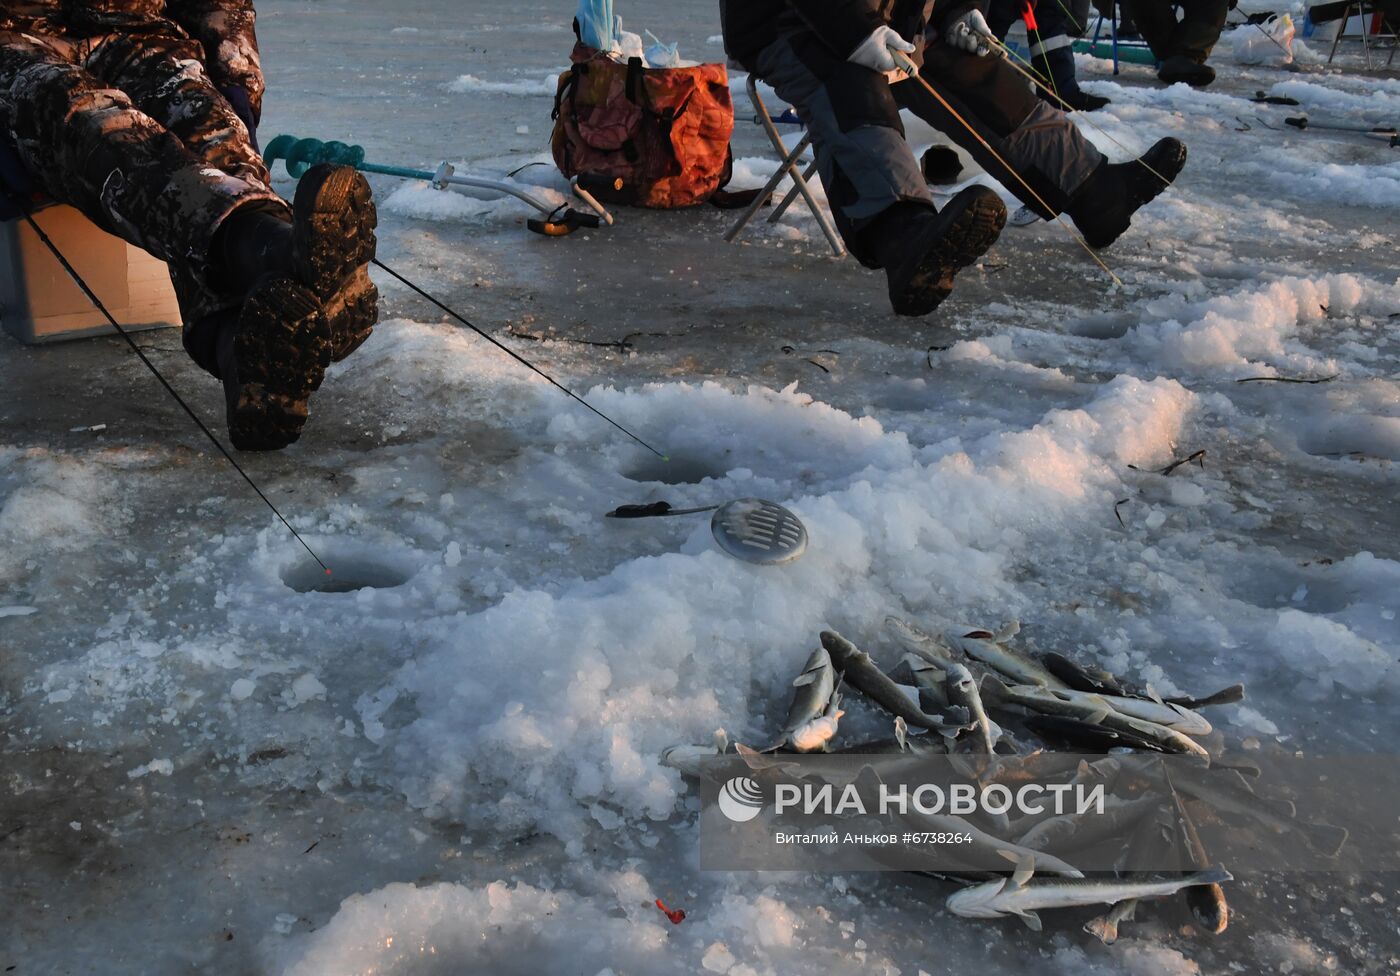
{"x": 633, "y": 87}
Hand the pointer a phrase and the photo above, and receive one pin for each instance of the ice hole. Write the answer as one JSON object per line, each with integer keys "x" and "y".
{"x": 677, "y": 471}
{"x": 348, "y": 573}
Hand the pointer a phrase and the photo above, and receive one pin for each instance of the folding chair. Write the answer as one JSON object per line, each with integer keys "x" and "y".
{"x": 788, "y": 167}
{"x": 1135, "y": 52}
{"x": 1363, "y": 10}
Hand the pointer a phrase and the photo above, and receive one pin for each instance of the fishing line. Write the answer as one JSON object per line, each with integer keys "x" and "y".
{"x": 1028, "y": 16}
{"x": 516, "y": 356}
{"x": 92, "y": 297}
{"x": 1033, "y": 76}
{"x": 911, "y": 70}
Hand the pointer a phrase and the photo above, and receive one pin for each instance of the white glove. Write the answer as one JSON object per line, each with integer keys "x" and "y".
{"x": 872, "y": 52}
{"x": 969, "y": 33}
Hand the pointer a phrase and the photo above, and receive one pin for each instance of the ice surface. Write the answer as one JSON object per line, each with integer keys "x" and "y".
{"x": 454, "y": 767}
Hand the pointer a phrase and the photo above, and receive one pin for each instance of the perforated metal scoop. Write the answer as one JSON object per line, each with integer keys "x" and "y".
{"x": 756, "y": 530}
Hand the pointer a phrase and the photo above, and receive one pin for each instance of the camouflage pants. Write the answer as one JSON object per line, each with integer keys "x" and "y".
{"x": 129, "y": 129}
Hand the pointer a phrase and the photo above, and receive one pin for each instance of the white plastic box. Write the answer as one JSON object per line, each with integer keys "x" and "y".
{"x": 39, "y": 302}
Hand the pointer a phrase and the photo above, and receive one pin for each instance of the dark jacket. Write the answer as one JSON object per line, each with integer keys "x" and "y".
{"x": 223, "y": 27}
{"x": 841, "y": 25}
{"x": 751, "y": 25}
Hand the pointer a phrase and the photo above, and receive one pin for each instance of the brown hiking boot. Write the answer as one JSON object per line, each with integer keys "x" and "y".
{"x": 270, "y": 361}
{"x": 333, "y": 240}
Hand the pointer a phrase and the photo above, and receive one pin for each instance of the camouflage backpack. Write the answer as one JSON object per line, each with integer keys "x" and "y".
{"x": 650, "y": 137}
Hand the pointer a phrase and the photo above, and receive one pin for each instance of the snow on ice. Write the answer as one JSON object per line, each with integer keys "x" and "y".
{"x": 445, "y": 759}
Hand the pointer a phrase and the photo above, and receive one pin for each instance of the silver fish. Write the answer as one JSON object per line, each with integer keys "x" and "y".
{"x": 690, "y": 760}
{"x": 818, "y": 733}
{"x": 1225, "y": 696}
{"x": 988, "y": 845}
{"x": 1228, "y": 792}
{"x": 862, "y": 673}
{"x": 1092, "y": 709}
{"x": 1022, "y": 895}
{"x": 1099, "y": 681}
{"x": 814, "y": 712}
{"x": 1068, "y": 831}
{"x": 931, "y": 648}
{"x": 1162, "y": 839}
{"x": 961, "y": 690}
{"x": 991, "y": 649}
{"x": 1105, "y": 927}
{"x": 1154, "y": 710}
{"x": 929, "y": 679}
{"x": 1207, "y": 902}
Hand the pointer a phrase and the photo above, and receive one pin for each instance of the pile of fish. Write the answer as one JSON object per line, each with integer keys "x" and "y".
{"x": 976, "y": 695}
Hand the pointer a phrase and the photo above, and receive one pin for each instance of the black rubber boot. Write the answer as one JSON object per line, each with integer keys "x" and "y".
{"x": 1078, "y": 100}
{"x": 922, "y": 249}
{"x": 333, "y": 240}
{"x": 271, "y": 359}
{"x": 1181, "y": 68}
{"x": 1103, "y": 207}
{"x": 1064, "y": 84}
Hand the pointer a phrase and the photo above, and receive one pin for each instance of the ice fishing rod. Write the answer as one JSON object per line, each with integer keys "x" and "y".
{"x": 516, "y": 356}
{"x": 97, "y": 302}
{"x": 911, "y": 70}
{"x": 1011, "y": 57}
{"x": 1032, "y": 25}
{"x": 1386, "y": 132}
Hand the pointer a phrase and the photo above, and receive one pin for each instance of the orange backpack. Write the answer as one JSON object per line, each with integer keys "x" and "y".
{"x": 649, "y": 137}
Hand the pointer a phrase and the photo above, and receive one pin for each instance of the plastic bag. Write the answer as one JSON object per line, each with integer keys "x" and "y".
{"x": 1268, "y": 43}
{"x": 595, "y": 24}
{"x": 661, "y": 55}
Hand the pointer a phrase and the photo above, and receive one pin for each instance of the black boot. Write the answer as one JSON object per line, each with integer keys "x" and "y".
{"x": 271, "y": 359}
{"x": 1178, "y": 67}
{"x": 922, "y": 249}
{"x": 1078, "y": 100}
{"x": 1064, "y": 84}
{"x": 1104, "y": 206}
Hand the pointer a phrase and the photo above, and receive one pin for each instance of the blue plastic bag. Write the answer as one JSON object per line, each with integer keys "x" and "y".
{"x": 595, "y": 24}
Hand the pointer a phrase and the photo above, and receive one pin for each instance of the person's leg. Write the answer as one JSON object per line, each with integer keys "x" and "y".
{"x": 1181, "y": 47}
{"x": 1200, "y": 27}
{"x": 1156, "y": 23}
{"x": 321, "y": 245}
{"x": 1033, "y": 142}
{"x": 865, "y": 164}
{"x": 1052, "y": 55}
{"x": 90, "y": 147}
{"x": 163, "y": 73}
{"x": 873, "y": 183}
{"x": 1036, "y": 141}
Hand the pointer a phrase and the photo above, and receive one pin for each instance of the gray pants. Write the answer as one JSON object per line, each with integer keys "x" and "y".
{"x": 867, "y": 166}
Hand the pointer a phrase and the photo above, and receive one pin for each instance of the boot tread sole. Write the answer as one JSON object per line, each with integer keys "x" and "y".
{"x": 974, "y": 229}
{"x": 282, "y": 350}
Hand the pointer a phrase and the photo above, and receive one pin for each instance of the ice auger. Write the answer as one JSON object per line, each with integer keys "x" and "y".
{"x": 299, "y": 155}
